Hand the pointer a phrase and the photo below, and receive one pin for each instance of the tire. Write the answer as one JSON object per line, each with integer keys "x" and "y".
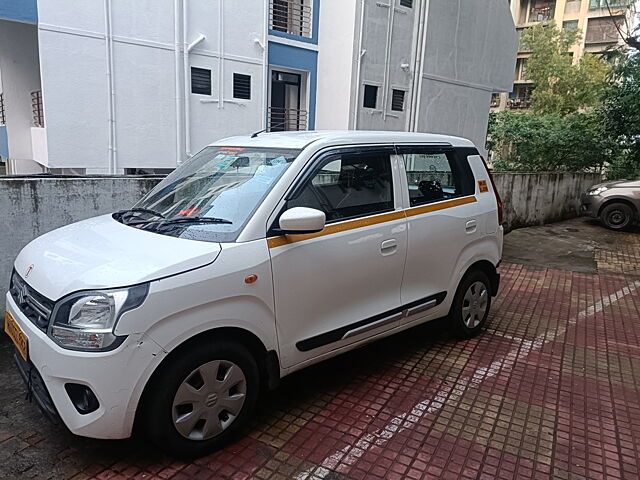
{"x": 219, "y": 382}
{"x": 466, "y": 317}
{"x": 617, "y": 216}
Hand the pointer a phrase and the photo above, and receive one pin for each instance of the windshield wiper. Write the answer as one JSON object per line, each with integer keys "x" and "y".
{"x": 176, "y": 221}
{"x": 121, "y": 213}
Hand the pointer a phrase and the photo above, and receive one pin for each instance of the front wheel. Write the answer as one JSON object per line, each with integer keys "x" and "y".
{"x": 617, "y": 216}
{"x": 471, "y": 304}
{"x": 200, "y": 400}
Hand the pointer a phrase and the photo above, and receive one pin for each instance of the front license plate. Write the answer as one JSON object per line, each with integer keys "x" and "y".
{"x": 17, "y": 335}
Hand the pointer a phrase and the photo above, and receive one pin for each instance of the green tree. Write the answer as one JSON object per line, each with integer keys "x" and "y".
{"x": 560, "y": 86}
{"x": 620, "y": 116}
{"x": 548, "y": 142}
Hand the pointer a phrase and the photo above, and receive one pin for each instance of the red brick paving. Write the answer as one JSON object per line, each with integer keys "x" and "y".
{"x": 548, "y": 391}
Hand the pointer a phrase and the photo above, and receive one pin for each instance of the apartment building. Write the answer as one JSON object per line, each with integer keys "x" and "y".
{"x": 595, "y": 20}
{"x": 111, "y": 87}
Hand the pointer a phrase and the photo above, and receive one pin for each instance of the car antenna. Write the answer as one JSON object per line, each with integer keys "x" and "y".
{"x": 254, "y": 135}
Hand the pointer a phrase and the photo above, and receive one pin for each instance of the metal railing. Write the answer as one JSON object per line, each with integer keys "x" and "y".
{"x": 287, "y": 119}
{"x": 542, "y": 14}
{"x": 36, "y": 108}
{"x": 291, "y": 16}
{"x": 3, "y": 119}
{"x": 519, "y": 103}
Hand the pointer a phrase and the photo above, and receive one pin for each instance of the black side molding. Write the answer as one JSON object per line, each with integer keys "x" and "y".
{"x": 371, "y": 322}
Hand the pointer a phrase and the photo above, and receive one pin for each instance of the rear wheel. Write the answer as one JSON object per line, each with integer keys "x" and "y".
{"x": 617, "y": 216}
{"x": 471, "y": 304}
{"x": 200, "y": 400}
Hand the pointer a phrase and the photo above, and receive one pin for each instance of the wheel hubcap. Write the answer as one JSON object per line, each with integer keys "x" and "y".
{"x": 617, "y": 217}
{"x": 474, "y": 304}
{"x": 209, "y": 400}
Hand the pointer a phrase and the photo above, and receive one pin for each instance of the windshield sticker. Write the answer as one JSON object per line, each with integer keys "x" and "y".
{"x": 278, "y": 160}
{"x": 231, "y": 150}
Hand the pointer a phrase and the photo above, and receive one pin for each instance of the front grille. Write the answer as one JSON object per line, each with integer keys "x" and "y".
{"x": 36, "y": 307}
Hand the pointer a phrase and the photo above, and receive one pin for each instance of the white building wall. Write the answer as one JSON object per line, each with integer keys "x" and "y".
{"x": 337, "y": 63}
{"x": 20, "y": 77}
{"x": 148, "y": 110}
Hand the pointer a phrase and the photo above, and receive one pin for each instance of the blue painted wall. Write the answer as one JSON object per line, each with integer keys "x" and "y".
{"x": 281, "y": 55}
{"x": 19, "y": 10}
{"x": 4, "y": 145}
{"x": 315, "y": 23}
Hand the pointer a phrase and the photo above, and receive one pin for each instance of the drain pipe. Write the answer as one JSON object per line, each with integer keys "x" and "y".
{"x": 416, "y": 116}
{"x": 417, "y": 65}
{"x": 359, "y": 67}
{"x": 187, "y": 47}
{"x": 108, "y": 32}
{"x": 178, "y": 91}
{"x": 221, "y": 58}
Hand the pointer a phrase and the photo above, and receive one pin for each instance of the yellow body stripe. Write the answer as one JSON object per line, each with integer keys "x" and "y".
{"x": 274, "y": 242}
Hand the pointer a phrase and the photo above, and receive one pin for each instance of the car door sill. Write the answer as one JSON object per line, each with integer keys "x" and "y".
{"x": 371, "y": 323}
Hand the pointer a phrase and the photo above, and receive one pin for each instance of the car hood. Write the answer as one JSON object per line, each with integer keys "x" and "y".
{"x": 103, "y": 253}
{"x": 618, "y": 184}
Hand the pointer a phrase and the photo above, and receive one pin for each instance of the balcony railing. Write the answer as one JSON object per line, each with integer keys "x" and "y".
{"x": 36, "y": 108}
{"x": 3, "y": 119}
{"x": 519, "y": 103}
{"x": 287, "y": 119}
{"x": 542, "y": 14}
{"x": 291, "y": 16}
{"x": 612, "y": 4}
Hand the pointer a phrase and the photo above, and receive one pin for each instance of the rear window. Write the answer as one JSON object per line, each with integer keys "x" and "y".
{"x": 436, "y": 174}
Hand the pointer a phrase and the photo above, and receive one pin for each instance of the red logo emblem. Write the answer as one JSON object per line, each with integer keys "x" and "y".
{"x": 26, "y": 275}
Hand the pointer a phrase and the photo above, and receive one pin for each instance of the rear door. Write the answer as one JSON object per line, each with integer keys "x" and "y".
{"x": 341, "y": 285}
{"x": 441, "y": 222}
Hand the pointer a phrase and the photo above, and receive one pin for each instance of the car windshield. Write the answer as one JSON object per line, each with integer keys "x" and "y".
{"x": 212, "y": 195}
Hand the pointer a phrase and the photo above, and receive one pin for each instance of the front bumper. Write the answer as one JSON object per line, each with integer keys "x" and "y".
{"x": 116, "y": 378}
{"x": 590, "y": 205}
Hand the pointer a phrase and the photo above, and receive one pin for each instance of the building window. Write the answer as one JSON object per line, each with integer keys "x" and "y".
{"x": 291, "y": 16}
{"x": 242, "y": 86}
{"x": 570, "y": 25}
{"x": 407, "y": 3}
{"x": 370, "y": 96}
{"x": 603, "y": 30}
{"x": 37, "y": 109}
{"x": 200, "y": 81}
{"x": 397, "y": 100}
{"x": 602, "y": 4}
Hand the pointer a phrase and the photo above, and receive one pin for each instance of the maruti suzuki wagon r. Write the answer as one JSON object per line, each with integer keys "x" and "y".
{"x": 257, "y": 257}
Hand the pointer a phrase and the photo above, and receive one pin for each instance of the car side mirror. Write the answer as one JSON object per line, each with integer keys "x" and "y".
{"x": 302, "y": 220}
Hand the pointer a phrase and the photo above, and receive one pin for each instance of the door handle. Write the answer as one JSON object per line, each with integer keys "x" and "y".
{"x": 471, "y": 226}
{"x": 389, "y": 246}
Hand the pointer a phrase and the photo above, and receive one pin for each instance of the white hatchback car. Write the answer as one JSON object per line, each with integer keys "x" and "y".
{"x": 259, "y": 256}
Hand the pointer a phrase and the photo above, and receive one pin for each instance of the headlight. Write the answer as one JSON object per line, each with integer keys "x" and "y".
{"x": 598, "y": 191}
{"x": 86, "y": 320}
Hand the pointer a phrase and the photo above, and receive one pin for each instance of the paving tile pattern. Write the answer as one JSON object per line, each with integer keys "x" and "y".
{"x": 550, "y": 390}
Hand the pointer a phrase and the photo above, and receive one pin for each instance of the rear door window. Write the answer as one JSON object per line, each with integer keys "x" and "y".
{"x": 349, "y": 184}
{"x": 436, "y": 174}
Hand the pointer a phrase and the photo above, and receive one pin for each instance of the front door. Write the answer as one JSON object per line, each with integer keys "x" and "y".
{"x": 341, "y": 285}
{"x": 284, "y": 109}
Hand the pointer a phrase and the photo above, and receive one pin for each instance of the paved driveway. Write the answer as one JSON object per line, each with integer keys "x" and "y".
{"x": 551, "y": 389}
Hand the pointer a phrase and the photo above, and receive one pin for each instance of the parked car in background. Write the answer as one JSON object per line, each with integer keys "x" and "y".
{"x": 259, "y": 256}
{"x": 616, "y": 204}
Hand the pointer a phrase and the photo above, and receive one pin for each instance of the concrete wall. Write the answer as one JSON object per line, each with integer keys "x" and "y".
{"x": 539, "y": 198}
{"x": 30, "y": 207}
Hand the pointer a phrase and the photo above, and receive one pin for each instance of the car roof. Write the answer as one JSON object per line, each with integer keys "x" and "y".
{"x": 302, "y": 139}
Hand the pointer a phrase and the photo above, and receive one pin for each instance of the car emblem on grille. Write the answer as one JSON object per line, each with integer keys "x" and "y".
{"x": 22, "y": 293}
{"x": 26, "y": 275}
